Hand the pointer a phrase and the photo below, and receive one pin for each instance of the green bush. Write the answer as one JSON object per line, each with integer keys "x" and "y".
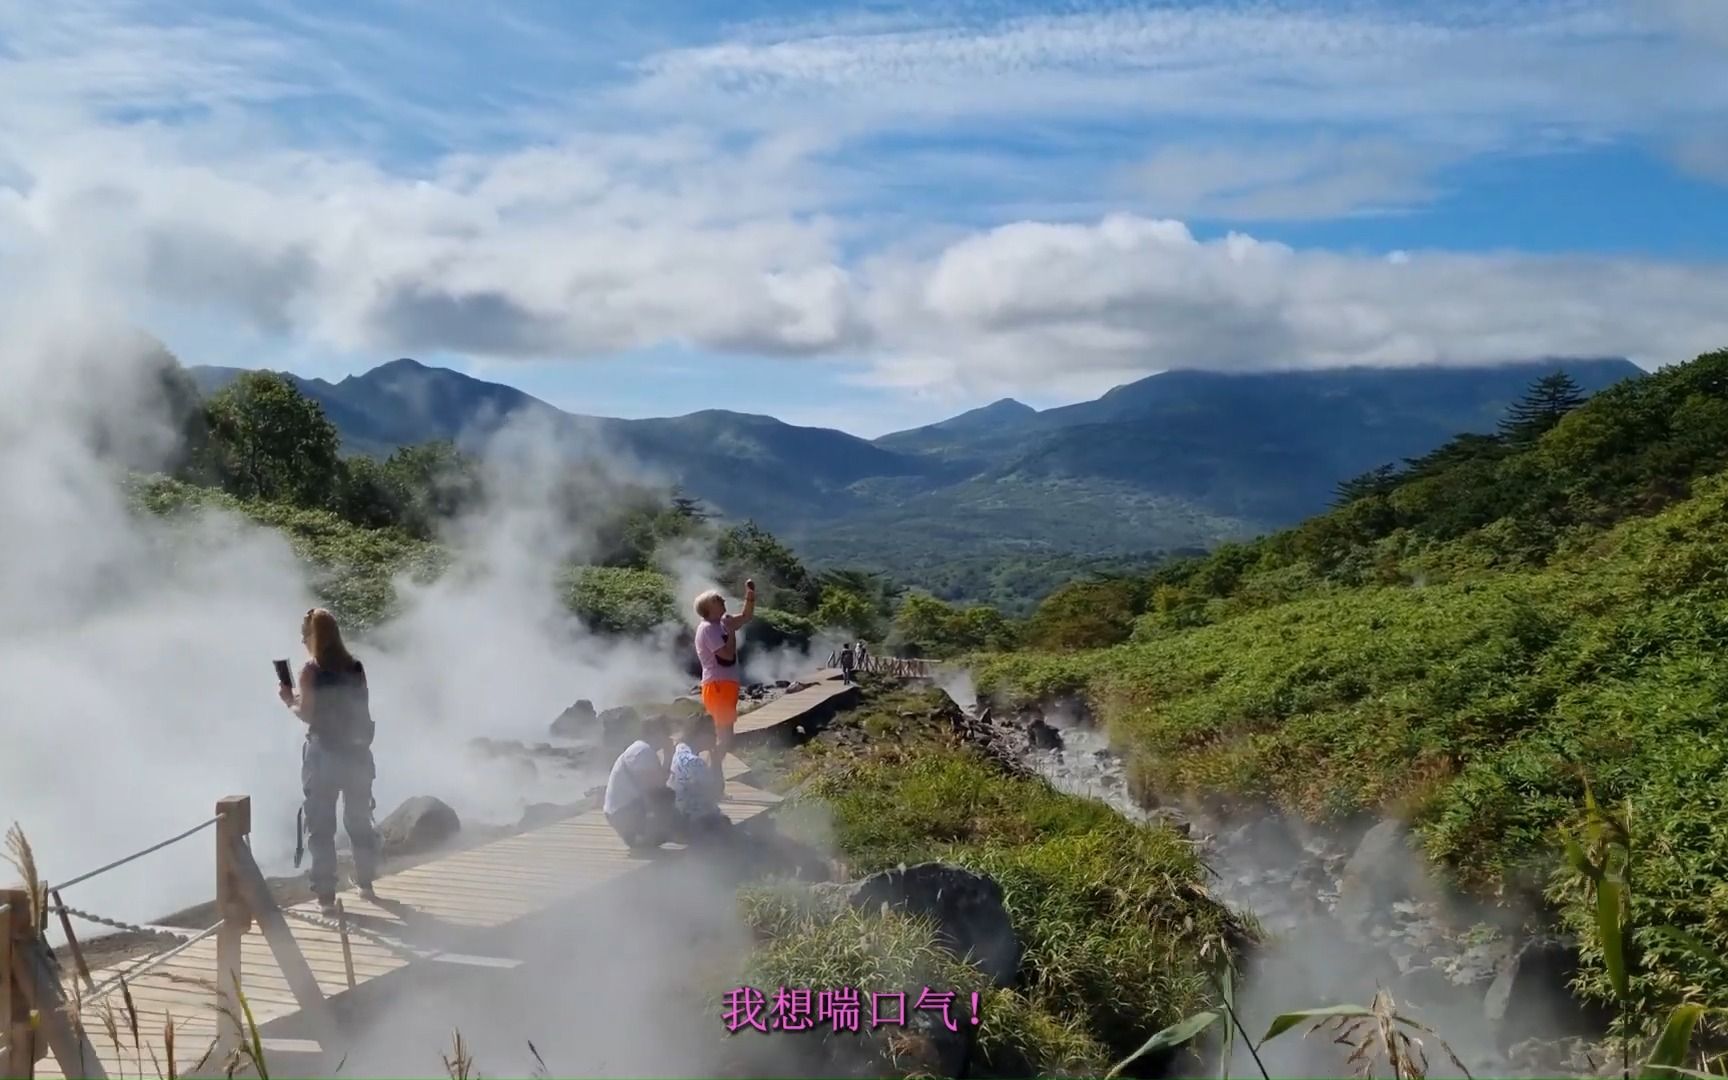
{"x": 619, "y": 600}
{"x": 1473, "y": 703}
{"x": 1112, "y": 914}
{"x": 354, "y": 569}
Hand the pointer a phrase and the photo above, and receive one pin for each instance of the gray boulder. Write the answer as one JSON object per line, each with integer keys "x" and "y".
{"x": 576, "y": 721}
{"x": 971, "y": 919}
{"x": 1040, "y": 735}
{"x": 1383, "y": 870}
{"x": 619, "y": 727}
{"x": 1531, "y": 995}
{"x": 419, "y": 825}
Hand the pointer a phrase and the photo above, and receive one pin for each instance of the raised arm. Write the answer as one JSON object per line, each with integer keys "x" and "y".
{"x": 733, "y": 622}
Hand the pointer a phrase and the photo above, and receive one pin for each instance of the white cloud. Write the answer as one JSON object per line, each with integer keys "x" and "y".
{"x": 1314, "y": 178}
{"x": 741, "y": 236}
{"x": 1080, "y": 306}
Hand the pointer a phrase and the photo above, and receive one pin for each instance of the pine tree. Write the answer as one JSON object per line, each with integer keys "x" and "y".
{"x": 1548, "y": 399}
{"x": 1373, "y": 482}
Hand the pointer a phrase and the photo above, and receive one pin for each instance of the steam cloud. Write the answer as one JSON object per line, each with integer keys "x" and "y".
{"x": 135, "y": 683}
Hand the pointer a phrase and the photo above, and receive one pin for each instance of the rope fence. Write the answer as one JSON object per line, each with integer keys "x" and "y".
{"x": 47, "y": 1013}
{"x": 144, "y": 964}
{"x": 117, "y": 863}
{"x": 905, "y": 667}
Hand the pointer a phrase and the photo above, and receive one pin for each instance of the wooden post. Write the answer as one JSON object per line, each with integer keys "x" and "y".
{"x": 347, "y": 950}
{"x": 255, "y": 887}
{"x": 34, "y": 985}
{"x": 19, "y": 1059}
{"x": 72, "y": 942}
{"x": 235, "y": 813}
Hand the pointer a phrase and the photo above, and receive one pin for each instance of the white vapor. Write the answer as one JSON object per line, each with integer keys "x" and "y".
{"x": 135, "y": 685}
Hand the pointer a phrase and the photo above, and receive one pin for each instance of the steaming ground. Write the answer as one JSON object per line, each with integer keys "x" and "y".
{"x": 1308, "y": 959}
{"x": 135, "y": 680}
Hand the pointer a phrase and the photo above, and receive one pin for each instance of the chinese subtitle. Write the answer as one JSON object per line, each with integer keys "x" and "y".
{"x": 843, "y": 1009}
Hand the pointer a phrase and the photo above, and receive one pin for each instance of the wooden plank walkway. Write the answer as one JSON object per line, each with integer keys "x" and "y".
{"x": 790, "y": 707}
{"x": 485, "y": 887}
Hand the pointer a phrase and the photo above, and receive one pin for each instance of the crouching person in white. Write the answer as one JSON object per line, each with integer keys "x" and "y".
{"x": 639, "y": 805}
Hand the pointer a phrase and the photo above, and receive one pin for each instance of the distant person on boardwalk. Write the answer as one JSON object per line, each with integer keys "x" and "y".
{"x": 717, "y": 649}
{"x": 846, "y": 663}
{"x": 696, "y": 785}
{"x": 337, "y": 759}
{"x": 639, "y": 806}
{"x": 862, "y": 655}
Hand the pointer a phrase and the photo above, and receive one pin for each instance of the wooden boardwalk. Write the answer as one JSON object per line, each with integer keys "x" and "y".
{"x": 486, "y": 887}
{"x": 791, "y": 707}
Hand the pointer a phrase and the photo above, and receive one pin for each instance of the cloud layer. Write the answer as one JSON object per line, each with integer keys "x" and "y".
{"x": 714, "y": 195}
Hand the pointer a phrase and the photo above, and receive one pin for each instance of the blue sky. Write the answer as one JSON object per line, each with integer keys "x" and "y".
{"x": 872, "y": 216}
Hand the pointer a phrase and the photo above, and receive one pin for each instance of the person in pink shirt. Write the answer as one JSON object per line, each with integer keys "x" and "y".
{"x": 717, "y": 649}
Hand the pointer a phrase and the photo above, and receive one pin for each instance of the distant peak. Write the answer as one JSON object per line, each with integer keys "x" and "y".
{"x": 403, "y": 364}
{"x": 1007, "y": 405}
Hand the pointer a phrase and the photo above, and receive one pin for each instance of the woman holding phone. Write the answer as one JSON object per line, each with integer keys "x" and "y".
{"x": 337, "y": 759}
{"x": 717, "y": 648}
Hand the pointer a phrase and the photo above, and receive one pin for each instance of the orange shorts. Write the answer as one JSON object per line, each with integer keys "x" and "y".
{"x": 721, "y": 701}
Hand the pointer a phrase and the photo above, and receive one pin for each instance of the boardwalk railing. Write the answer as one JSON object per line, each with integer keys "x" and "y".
{"x": 40, "y": 1019}
{"x": 904, "y": 667}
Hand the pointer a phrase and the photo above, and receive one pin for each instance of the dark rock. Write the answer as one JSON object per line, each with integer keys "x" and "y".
{"x": 782, "y": 683}
{"x": 576, "y": 721}
{"x": 967, "y": 907}
{"x": 619, "y": 727}
{"x": 1531, "y": 994}
{"x": 421, "y": 824}
{"x": 1382, "y": 871}
{"x": 543, "y": 813}
{"x": 1041, "y": 736}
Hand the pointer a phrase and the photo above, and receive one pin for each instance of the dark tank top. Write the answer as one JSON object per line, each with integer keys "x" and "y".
{"x": 342, "y": 715}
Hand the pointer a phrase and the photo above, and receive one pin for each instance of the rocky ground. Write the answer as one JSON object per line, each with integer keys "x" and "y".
{"x": 1346, "y": 912}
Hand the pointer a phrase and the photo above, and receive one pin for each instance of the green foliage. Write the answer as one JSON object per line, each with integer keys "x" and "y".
{"x": 1097, "y": 901}
{"x": 268, "y": 441}
{"x": 750, "y": 551}
{"x": 1087, "y": 615}
{"x": 925, "y": 626}
{"x": 850, "y": 612}
{"x": 619, "y": 600}
{"x": 1457, "y": 649}
{"x": 354, "y": 569}
{"x": 1549, "y": 399}
{"x": 775, "y": 629}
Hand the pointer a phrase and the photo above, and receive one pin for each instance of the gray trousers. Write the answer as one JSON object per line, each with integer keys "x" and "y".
{"x": 326, "y": 772}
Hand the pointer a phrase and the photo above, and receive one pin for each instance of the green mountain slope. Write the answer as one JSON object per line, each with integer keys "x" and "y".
{"x": 1179, "y": 460}
{"x": 1465, "y": 645}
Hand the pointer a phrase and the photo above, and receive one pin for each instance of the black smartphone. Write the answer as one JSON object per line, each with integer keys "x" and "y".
{"x": 282, "y": 675}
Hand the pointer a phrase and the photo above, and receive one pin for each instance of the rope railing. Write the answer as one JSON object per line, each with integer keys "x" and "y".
{"x": 146, "y": 963}
{"x": 117, "y": 863}
{"x": 116, "y": 924}
{"x": 907, "y": 667}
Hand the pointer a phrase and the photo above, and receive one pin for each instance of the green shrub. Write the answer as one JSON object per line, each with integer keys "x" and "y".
{"x": 619, "y": 600}
{"x": 1112, "y": 914}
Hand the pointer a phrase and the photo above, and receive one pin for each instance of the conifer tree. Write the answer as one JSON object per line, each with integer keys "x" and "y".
{"x": 1373, "y": 482}
{"x": 1548, "y": 399}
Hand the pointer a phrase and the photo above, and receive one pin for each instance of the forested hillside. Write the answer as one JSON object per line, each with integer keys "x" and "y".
{"x": 1000, "y": 504}
{"x": 261, "y": 449}
{"x": 1468, "y": 639}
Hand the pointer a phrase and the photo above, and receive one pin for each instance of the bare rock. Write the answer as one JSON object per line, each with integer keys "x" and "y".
{"x": 420, "y": 824}
{"x": 1383, "y": 871}
{"x": 1040, "y": 735}
{"x": 576, "y": 721}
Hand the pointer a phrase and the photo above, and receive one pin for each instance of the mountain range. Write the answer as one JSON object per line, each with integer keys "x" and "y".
{"x": 1178, "y": 460}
